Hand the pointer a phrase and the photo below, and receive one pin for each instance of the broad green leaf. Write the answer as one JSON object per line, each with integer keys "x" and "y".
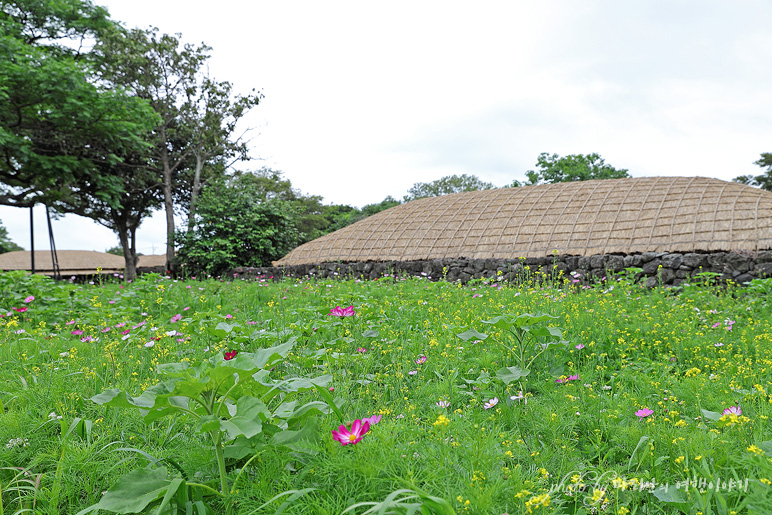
{"x": 711, "y": 415}
{"x": 767, "y": 447}
{"x": 510, "y": 374}
{"x": 133, "y": 492}
{"x": 242, "y": 447}
{"x": 309, "y": 432}
{"x": 208, "y": 423}
{"x": 669, "y": 494}
{"x": 228, "y": 328}
{"x": 371, "y": 333}
{"x": 120, "y": 399}
{"x": 241, "y": 426}
{"x": 471, "y": 334}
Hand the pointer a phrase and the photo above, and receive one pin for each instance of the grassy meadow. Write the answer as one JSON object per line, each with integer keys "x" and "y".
{"x": 493, "y": 399}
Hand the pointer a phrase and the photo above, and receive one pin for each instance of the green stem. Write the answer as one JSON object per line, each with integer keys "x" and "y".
{"x": 218, "y": 451}
{"x": 236, "y": 481}
{"x": 199, "y": 485}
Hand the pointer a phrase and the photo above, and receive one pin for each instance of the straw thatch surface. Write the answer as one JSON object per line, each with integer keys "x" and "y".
{"x": 660, "y": 214}
{"x": 152, "y": 260}
{"x": 73, "y": 262}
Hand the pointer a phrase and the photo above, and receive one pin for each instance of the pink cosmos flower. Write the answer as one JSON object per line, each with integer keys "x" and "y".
{"x": 443, "y": 404}
{"x": 29, "y": 299}
{"x": 70, "y": 322}
{"x": 176, "y": 318}
{"x": 338, "y": 311}
{"x": 372, "y": 420}
{"x": 491, "y": 403}
{"x": 573, "y": 378}
{"x": 355, "y": 435}
{"x": 412, "y": 372}
{"x": 421, "y": 360}
{"x": 106, "y": 329}
{"x": 228, "y": 316}
{"x": 579, "y": 347}
{"x": 716, "y": 325}
{"x": 229, "y": 355}
{"x": 76, "y": 332}
{"x": 120, "y": 324}
{"x": 733, "y": 410}
{"x": 20, "y": 310}
{"x": 361, "y": 350}
{"x": 86, "y": 339}
{"x": 643, "y": 413}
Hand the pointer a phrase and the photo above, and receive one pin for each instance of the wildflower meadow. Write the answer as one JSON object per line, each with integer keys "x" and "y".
{"x": 389, "y": 396}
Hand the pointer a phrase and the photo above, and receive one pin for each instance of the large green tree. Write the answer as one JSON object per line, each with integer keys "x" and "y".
{"x": 575, "y": 167}
{"x": 236, "y": 225}
{"x": 763, "y": 180}
{"x": 447, "y": 185}
{"x": 197, "y": 116}
{"x": 59, "y": 123}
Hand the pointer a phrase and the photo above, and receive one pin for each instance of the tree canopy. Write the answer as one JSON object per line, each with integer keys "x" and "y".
{"x": 763, "y": 180}
{"x": 59, "y": 125}
{"x": 575, "y": 167}
{"x": 447, "y": 185}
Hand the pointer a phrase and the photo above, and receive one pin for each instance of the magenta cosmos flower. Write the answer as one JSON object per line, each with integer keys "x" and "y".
{"x": 733, "y": 410}
{"x": 355, "y": 435}
{"x": 338, "y": 311}
{"x": 643, "y": 413}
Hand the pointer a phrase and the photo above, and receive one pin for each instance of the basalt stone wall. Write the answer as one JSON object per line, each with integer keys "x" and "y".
{"x": 656, "y": 268}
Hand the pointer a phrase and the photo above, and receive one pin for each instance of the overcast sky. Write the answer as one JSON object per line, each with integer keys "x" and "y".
{"x": 363, "y": 99}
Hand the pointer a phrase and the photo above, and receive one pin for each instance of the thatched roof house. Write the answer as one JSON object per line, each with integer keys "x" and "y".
{"x": 627, "y": 216}
{"x": 73, "y": 262}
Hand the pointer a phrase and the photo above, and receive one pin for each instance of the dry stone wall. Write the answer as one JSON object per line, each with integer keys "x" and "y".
{"x": 665, "y": 268}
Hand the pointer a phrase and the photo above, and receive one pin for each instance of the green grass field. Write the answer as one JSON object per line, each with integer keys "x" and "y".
{"x": 492, "y": 398}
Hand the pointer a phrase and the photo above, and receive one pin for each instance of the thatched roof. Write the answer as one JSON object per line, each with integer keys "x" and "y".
{"x": 72, "y": 262}
{"x": 661, "y": 214}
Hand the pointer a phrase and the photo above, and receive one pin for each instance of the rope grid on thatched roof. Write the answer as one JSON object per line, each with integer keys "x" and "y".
{"x": 626, "y": 216}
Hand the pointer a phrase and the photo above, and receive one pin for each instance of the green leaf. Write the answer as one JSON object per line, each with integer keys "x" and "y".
{"x": 510, "y": 374}
{"x": 133, "y": 492}
{"x": 327, "y": 396}
{"x": 669, "y": 495}
{"x": 371, "y": 333}
{"x": 767, "y": 447}
{"x": 711, "y": 415}
{"x": 471, "y": 334}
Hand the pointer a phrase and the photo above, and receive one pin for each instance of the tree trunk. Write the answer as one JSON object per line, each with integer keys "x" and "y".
{"x": 195, "y": 190}
{"x": 129, "y": 251}
{"x": 169, "y": 206}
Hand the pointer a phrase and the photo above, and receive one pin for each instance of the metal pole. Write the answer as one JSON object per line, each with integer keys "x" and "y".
{"x": 32, "y": 239}
{"x": 54, "y": 258}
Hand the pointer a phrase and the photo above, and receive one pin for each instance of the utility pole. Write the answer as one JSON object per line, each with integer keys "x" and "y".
{"x": 32, "y": 239}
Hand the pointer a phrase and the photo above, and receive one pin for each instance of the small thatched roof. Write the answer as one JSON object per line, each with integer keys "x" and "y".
{"x": 73, "y": 262}
{"x": 660, "y": 214}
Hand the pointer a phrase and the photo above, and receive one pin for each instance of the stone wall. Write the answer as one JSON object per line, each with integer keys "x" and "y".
{"x": 655, "y": 268}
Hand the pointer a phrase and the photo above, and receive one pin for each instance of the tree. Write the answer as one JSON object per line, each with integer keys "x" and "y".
{"x": 58, "y": 122}
{"x": 577, "y": 167}
{"x": 234, "y": 226}
{"x": 69, "y": 137}
{"x": 764, "y": 180}
{"x": 447, "y": 185}
{"x": 6, "y": 245}
{"x": 197, "y": 116}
